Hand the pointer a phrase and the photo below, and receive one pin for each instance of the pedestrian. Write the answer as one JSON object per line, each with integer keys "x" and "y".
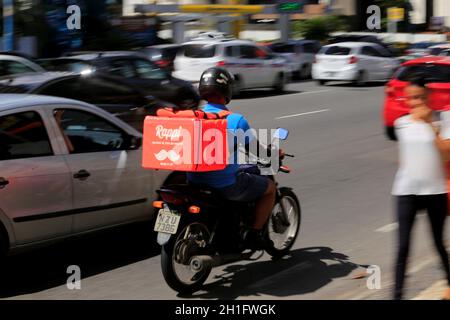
{"x": 420, "y": 182}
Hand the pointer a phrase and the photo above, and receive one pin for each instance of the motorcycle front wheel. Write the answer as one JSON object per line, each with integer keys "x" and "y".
{"x": 176, "y": 256}
{"x": 283, "y": 226}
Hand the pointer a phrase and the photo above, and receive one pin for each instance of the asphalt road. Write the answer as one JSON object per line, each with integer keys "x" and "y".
{"x": 342, "y": 173}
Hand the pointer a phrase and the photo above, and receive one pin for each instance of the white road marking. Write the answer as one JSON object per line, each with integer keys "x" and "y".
{"x": 388, "y": 228}
{"x": 302, "y": 114}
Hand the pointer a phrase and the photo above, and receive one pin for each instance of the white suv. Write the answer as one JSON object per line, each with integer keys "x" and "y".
{"x": 253, "y": 66}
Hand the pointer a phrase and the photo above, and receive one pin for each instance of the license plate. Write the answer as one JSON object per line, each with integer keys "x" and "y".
{"x": 331, "y": 74}
{"x": 167, "y": 221}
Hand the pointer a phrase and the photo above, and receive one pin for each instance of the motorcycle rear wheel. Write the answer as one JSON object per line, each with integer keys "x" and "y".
{"x": 284, "y": 237}
{"x": 175, "y": 258}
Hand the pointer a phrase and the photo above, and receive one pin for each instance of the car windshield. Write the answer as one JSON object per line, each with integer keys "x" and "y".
{"x": 336, "y": 51}
{"x": 199, "y": 50}
{"x": 434, "y": 73}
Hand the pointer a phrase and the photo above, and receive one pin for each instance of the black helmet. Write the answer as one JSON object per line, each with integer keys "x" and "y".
{"x": 216, "y": 83}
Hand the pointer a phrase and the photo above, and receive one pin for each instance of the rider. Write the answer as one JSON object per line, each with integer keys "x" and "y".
{"x": 232, "y": 183}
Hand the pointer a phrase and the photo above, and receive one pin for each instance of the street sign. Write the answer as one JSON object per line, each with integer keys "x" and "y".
{"x": 290, "y": 6}
{"x": 396, "y": 14}
{"x": 8, "y": 25}
{"x": 216, "y": 8}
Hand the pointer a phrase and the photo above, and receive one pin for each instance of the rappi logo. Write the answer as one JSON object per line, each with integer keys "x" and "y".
{"x": 168, "y": 134}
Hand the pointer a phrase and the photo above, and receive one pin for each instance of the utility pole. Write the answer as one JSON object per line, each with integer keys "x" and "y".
{"x": 8, "y": 25}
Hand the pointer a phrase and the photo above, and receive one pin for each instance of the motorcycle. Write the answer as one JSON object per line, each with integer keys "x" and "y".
{"x": 198, "y": 230}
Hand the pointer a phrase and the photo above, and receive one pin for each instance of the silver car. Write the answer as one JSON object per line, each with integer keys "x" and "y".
{"x": 13, "y": 64}
{"x": 67, "y": 168}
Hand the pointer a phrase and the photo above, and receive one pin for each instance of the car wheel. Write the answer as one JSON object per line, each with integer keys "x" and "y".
{"x": 3, "y": 245}
{"x": 281, "y": 83}
{"x": 390, "y": 133}
{"x": 322, "y": 82}
{"x": 305, "y": 72}
{"x": 361, "y": 80}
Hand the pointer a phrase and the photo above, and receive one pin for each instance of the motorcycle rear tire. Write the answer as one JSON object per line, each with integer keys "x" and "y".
{"x": 168, "y": 271}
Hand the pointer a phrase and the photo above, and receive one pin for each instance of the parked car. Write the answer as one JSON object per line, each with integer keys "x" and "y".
{"x": 162, "y": 55}
{"x": 251, "y": 65}
{"x": 66, "y": 168}
{"x": 421, "y": 49}
{"x": 134, "y": 69}
{"x": 437, "y": 49}
{"x": 359, "y": 62}
{"x": 16, "y": 64}
{"x": 111, "y": 94}
{"x": 436, "y": 69}
{"x": 300, "y": 53}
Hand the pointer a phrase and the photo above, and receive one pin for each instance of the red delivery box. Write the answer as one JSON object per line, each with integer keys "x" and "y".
{"x": 185, "y": 144}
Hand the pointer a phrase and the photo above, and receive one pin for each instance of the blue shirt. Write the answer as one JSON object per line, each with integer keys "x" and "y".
{"x": 226, "y": 177}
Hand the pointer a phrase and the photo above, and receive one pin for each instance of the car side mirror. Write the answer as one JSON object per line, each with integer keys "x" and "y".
{"x": 133, "y": 142}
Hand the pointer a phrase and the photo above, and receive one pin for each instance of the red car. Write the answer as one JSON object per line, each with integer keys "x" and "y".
{"x": 437, "y": 69}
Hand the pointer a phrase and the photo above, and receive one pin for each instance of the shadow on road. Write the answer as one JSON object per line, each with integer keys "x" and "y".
{"x": 261, "y": 93}
{"x": 46, "y": 268}
{"x": 304, "y": 271}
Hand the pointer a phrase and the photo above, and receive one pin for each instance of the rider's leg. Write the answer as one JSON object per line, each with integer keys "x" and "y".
{"x": 264, "y": 206}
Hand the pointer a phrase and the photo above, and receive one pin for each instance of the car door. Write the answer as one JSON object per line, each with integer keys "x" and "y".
{"x": 35, "y": 182}
{"x": 109, "y": 185}
{"x": 251, "y": 66}
{"x": 388, "y": 64}
{"x": 369, "y": 63}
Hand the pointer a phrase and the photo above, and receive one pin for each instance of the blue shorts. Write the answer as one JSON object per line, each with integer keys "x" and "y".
{"x": 248, "y": 187}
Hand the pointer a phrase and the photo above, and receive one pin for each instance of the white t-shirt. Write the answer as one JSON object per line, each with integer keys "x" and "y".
{"x": 421, "y": 169}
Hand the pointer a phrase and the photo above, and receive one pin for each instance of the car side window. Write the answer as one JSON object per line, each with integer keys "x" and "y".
{"x": 309, "y": 48}
{"x": 14, "y": 67}
{"x": 369, "y": 51}
{"x": 122, "y": 68}
{"x": 248, "y": 52}
{"x": 86, "y": 132}
{"x": 148, "y": 70}
{"x": 23, "y": 135}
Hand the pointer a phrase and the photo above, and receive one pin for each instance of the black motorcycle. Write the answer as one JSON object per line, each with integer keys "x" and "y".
{"x": 198, "y": 230}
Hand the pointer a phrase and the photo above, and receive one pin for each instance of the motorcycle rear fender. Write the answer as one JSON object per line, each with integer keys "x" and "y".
{"x": 163, "y": 238}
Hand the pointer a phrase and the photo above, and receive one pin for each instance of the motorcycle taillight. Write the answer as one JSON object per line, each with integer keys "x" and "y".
{"x": 171, "y": 198}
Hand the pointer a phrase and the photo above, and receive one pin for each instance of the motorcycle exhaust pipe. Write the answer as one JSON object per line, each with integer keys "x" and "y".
{"x": 198, "y": 263}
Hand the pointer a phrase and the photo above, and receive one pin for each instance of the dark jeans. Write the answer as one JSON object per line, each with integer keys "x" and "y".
{"x": 407, "y": 207}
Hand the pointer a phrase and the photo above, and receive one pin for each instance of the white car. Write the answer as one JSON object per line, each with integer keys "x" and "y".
{"x": 252, "y": 66}
{"x": 12, "y": 64}
{"x": 67, "y": 168}
{"x": 358, "y": 62}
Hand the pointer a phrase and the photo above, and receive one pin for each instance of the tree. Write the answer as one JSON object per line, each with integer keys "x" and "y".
{"x": 318, "y": 28}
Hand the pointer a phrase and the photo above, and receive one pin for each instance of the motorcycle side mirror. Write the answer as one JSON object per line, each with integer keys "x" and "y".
{"x": 281, "y": 134}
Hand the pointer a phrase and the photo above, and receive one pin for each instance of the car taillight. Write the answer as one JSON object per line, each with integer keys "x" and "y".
{"x": 353, "y": 60}
{"x": 163, "y": 63}
{"x": 221, "y": 64}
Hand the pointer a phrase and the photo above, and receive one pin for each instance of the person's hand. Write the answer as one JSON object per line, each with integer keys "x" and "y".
{"x": 281, "y": 154}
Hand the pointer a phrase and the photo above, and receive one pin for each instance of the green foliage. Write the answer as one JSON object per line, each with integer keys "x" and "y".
{"x": 318, "y": 28}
